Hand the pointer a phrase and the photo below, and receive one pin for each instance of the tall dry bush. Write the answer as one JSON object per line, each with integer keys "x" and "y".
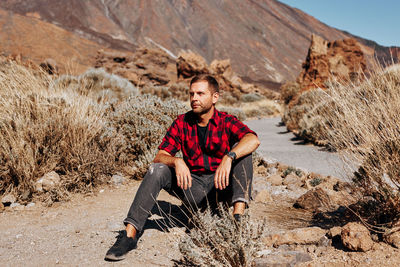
{"x": 44, "y": 130}
{"x": 362, "y": 122}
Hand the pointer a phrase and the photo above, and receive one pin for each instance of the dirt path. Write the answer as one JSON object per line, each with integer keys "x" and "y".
{"x": 279, "y": 144}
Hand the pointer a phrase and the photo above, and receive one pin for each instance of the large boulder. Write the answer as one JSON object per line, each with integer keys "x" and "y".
{"x": 356, "y": 237}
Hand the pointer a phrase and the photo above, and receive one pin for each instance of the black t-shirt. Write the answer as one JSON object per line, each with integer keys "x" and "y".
{"x": 201, "y": 133}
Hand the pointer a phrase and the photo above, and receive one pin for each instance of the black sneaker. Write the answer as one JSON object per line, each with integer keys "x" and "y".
{"x": 121, "y": 247}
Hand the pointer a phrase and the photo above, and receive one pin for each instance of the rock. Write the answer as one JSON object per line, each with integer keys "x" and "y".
{"x": 2, "y": 207}
{"x": 8, "y": 199}
{"x": 118, "y": 179}
{"x": 275, "y": 179}
{"x": 356, "y": 237}
{"x": 334, "y": 231}
{"x": 309, "y": 235}
{"x": 272, "y": 170}
{"x": 263, "y": 196}
{"x": 30, "y": 205}
{"x": 190, "y": 64}
{"x": 343, "y": 59}
{"x": 292, "y": 179}
{"x": 281, "y": 259}
{"x": 393, "y": 239}
{"x": 17, "y": 206}
{"x": 47, "y": 182}
{"x": 143, "y": 67}
{"x": 315, "y": 199}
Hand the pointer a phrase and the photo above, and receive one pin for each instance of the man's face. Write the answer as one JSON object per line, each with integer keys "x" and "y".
{"x": 201, "y": 98}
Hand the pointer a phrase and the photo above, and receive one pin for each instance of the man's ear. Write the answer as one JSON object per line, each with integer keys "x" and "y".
{"x": 215, "y": 97}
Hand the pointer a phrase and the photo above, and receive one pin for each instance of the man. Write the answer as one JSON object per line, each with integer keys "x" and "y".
{"x": 216, "y": 150}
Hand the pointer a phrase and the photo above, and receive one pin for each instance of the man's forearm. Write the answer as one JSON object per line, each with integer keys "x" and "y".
{"x": 164, "y": 157}
{"x": 246, "y": 145}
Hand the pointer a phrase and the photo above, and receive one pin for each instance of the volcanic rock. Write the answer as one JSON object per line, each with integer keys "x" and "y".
{"x": 342, "y": 59}
{"x": 8, "y": 199}
{"x": 393, "y": 239}
{"x": 47, "y": 182}
{"x": 144, "y": 66}
{"x": 356, "y": 237}
{"x": 275, "y": 179}
{"x": 309, "y": 235}
{"x": 263, "y": 196}
{"x": 190, "y": 64}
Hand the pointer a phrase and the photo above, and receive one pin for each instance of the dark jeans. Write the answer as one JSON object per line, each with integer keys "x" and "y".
{"x": 160, "y": 176}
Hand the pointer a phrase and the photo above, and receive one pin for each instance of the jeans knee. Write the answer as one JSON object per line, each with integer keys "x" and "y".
{"x": 158, "y": 172}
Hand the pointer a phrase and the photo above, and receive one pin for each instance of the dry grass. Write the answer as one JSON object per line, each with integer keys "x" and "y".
{"x": 43, "y": 131}
{"x": 84, "y": 137}
{"x": 362, "y": 122}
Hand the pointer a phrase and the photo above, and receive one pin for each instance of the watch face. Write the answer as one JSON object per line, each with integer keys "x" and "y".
{"x": 232, "y": 155}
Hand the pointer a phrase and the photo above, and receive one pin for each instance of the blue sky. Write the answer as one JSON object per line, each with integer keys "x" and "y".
{"x": 370, "y": 19}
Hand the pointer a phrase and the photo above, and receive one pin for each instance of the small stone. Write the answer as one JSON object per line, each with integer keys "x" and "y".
{"x": 309, "y": 235}
{"x": 393, "y": 239}
{"x": 2, "y": 207}
{"x": 286, "y": 258}
{"x": 334, "y": 231}
{"x": 18, "y": 236}
{"x": 8, "y": 199}
{"x": 101, "y": 191}
{"x": 47, "y": 182}
{"x": 272, "y": 170}
{"x": 292, "y": 179}
{"x": 30, "y": 205}
{"x": 316, "y": 199}
{"x": 14, "y": 205}
{"x": 118, "y": 179}
{"x": 324, "y": 242}
{"x": 275, "y": 180}
{"x": 263, "y": 196}
{"x": 356, "y": 237}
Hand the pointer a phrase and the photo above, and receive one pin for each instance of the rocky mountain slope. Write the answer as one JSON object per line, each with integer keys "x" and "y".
{"x": 265, "y": 39}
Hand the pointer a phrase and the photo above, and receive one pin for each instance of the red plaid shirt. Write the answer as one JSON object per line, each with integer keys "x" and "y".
{"x": 223, "y": 132}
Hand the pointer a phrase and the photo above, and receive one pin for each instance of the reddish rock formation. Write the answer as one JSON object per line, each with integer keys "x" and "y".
{"x": 144, "y": 66}
{"x": 342, "y": 59}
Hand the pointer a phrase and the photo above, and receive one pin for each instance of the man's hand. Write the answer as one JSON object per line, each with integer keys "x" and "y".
{"x": 221, "y": 178}
{"x": 182, "y": 174}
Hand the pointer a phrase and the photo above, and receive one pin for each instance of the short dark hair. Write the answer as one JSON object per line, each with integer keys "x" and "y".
{"x": 212, "y": 82}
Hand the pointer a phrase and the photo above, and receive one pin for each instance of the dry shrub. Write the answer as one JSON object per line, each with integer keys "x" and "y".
{"x": 289, "y": 91}
{"x": 218, "y": 240}
{"x": 48, "y": 127}
{"x": 98, "y": 84}
{"x": 304, "y": 117}
{"x": 142, "y": 122}
{"x": 179, "y": 91}
{"x": 43, "y": 131}
{"x": 362, "y": 122}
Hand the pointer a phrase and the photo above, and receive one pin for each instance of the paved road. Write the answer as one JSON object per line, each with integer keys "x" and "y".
{"x": 277, "y": 143}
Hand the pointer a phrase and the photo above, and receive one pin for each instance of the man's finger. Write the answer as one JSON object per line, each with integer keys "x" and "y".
{"x": 190, "y": 181}
{"x": 223, "y": 180}
{"x": 184, "y": 178}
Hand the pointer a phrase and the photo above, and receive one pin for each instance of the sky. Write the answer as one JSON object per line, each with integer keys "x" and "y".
{"x": 377, "y": 20}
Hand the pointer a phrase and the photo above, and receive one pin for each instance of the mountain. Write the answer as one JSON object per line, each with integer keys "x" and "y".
{"x": 266, "y": 40}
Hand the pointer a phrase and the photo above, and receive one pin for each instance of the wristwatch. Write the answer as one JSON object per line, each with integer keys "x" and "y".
{"x": 232, "y": 155}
